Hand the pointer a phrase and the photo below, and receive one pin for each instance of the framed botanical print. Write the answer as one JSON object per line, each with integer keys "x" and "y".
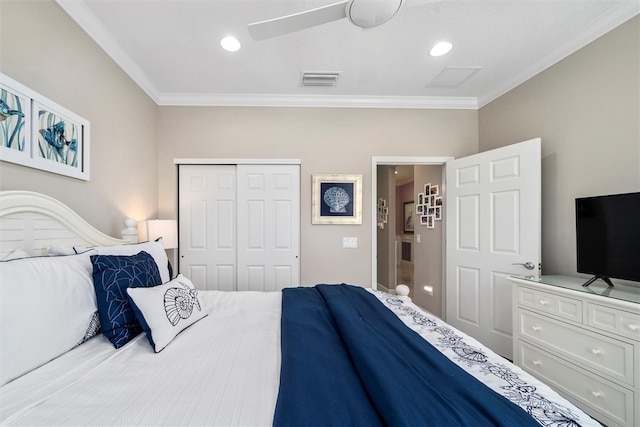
{"x": 41, "y": 134}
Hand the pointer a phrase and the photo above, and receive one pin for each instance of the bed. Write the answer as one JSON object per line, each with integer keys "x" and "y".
{"x": 330, "y": 354}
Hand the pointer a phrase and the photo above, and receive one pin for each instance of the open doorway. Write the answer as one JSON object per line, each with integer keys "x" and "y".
{"x": 407, "y": 250}
{"x": 396, "y": 218}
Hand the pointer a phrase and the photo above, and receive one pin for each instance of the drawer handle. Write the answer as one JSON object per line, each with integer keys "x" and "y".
{"x": 536, "y": 328}
{"x": 536, "y": 362}
{"x": 544, "y": 302}
{"x": 633, "y": 327}
{"x": 597, "y": 394}
{"x": 596, "y": 351}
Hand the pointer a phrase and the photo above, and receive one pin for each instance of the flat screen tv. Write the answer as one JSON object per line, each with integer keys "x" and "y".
{"x": 608, "y": 237}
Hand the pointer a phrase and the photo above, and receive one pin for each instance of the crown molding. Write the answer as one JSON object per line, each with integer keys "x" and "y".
{"x": 331, "y": 101}
{"x": 605, "y": 24}
{"x": 86, "y": 19}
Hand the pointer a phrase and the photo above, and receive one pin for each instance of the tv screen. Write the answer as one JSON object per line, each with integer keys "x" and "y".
{"x": 608, "y": 236}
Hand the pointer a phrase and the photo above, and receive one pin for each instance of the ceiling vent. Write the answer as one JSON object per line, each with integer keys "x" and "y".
{"x": 321, "y": 79}
{"x": 453, "y": 77}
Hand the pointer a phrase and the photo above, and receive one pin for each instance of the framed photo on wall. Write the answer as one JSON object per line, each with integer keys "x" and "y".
{"x": 336, "y": 199}
{"x": 408, "y": 217}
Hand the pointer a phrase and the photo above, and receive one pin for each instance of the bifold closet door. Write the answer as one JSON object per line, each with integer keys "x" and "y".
{"x": 240, "y": 226}
{"x": 207, "y": 225}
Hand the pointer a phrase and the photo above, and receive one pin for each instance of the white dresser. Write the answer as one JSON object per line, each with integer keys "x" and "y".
{"x": 582, "y": 341}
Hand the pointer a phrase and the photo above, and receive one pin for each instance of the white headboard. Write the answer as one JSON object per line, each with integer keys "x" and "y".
{"x": 32, "y": 221}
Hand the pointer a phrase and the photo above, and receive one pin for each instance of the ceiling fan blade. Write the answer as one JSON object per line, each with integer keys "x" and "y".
{"x": 298, "y": 21}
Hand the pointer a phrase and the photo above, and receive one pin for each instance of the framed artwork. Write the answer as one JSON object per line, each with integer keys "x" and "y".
{"x": 60, "y": 142}
{"x": 383, "y": 213}
{"x": 408, "y": 217}
{"x": 430, "y": 221}
{"x": 336, "y": 199}
{"x": 430, "y": 207}
{"x": 15, "y": 121}
{"x": 437, "y": 213}
{"x": 38, "y": 133}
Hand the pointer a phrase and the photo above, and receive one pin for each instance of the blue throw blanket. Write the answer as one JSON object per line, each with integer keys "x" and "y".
{"x": 349, "y": 361}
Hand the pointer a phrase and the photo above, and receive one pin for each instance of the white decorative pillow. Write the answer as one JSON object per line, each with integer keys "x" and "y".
{"x": 155, "y": 249}
{"x": 17, "y": 254}
{"x": 46, "y": 306}
{"x": 166, "y": 310}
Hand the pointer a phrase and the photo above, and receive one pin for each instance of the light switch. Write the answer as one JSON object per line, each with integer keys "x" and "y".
{"x": 350, "y": 242}
{"x": 417, "y": 238}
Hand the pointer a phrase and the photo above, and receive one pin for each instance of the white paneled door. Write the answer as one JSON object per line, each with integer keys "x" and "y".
{"x": 268, "y": 227}
{"x": 240, "y": 226}
{"x": 493, "y": 232}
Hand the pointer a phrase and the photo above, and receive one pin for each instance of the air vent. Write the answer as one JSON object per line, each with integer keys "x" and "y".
{"x": 453, "y": 77}
{"x": 321, "y": 79}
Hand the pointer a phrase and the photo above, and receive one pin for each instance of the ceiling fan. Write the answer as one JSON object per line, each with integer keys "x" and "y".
{"x": 363, "y": 13}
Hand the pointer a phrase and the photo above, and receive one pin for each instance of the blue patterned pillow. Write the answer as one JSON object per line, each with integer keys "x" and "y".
{"x": 112, "y": 275}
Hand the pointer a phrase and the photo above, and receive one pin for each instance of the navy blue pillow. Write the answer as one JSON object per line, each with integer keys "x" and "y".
{"x": 112, "y": 275}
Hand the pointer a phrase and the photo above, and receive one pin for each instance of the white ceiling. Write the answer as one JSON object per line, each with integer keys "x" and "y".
{"x": 171, "y": 49}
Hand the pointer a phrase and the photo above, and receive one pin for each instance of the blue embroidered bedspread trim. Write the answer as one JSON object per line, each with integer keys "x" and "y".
{"x": 348, "y": 360}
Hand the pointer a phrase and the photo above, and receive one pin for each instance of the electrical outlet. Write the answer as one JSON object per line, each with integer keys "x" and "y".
{"x": 350, "y": 242}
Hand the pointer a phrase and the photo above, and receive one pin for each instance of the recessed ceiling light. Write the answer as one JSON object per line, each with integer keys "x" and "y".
{"x": 230, "y": 44}
{"x": 440, "y": 49}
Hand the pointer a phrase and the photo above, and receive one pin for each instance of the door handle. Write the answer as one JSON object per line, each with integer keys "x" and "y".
{"x": 528, "y": 265}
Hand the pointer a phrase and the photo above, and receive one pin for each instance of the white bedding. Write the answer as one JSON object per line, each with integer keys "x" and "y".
{"x": 185, "y": 384}
{"x": 223, "y": 370}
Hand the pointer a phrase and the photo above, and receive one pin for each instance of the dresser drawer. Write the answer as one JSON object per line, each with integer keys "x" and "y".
{"x": 609, "y": 399}
{"x": 567, "y": 308}
{"x": 615, "y": 321}
{"x": 611, "y": 357}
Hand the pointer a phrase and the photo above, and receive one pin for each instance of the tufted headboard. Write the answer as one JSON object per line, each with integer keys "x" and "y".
{"x": 32, "y": 221}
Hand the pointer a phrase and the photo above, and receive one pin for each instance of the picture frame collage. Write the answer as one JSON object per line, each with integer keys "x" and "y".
{"x": 383, "y": 213}
{"x": 429, "y": 207}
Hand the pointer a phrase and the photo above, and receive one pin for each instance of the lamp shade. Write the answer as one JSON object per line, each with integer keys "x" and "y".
{"x": 165, "y": 228}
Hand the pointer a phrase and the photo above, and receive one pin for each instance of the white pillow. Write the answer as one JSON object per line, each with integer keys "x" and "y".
{"x": 155, "y": 249}
{"x": 17, "y": 254}
{"x": 55, "y": 250}
{"x": 46, "y": 306}
{"x": 166, "y": 310}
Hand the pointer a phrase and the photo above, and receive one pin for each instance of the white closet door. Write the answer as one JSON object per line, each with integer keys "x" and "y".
{"x": 207, "y": 209}
{"x": 268, "y": 232}
{"x": 240, "y": 226}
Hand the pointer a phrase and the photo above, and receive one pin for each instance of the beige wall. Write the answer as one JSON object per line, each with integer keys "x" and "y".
{"x": 327, "y": 140}
{"x": 42, "y": 48}
{"x": 429, "y": 253}
{"x": 586, "y": 109}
